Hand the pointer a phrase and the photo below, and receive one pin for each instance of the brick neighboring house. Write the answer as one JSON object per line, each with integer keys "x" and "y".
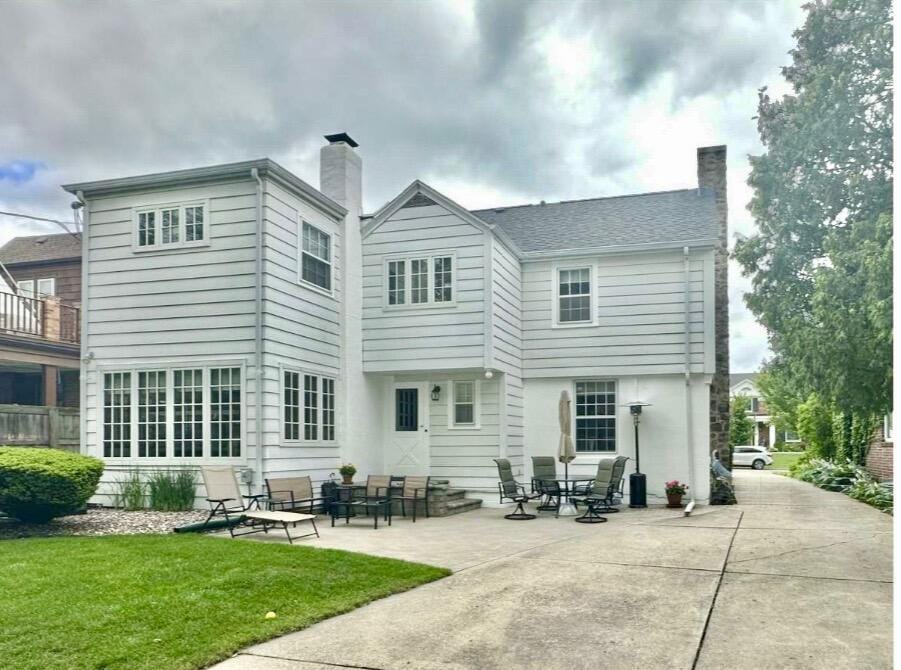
{"x": 879, "y": 457}
{"x": 40, "y": 333}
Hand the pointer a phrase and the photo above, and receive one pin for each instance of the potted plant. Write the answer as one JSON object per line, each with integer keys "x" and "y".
{"x": 674, "y": 492}
{"x": 347, "y": 473}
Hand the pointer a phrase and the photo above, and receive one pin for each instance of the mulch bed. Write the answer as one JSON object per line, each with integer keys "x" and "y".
{"x": 102, "y": 521}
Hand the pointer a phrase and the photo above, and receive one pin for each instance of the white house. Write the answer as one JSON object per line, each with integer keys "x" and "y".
{"x": 235, "y": 314}
{"x": 765, "y": 432}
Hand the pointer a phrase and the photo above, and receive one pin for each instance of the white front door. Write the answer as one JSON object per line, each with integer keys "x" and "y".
{"x": 407, "y": 451}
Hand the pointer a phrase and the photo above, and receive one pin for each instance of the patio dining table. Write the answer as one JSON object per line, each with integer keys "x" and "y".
{"x": 567, "y": 486}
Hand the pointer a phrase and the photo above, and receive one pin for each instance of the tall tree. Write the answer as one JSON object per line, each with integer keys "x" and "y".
{"x": 821, "y": 261}
{"x": 741, "y": 427}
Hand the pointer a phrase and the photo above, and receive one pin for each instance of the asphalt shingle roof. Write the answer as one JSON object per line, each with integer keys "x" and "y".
{"x": 737, "y": 377}
{"x": 646, "y": 218}
{"x": 37, "y": 248}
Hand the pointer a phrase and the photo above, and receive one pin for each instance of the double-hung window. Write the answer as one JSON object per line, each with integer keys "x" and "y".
{"x": 179, "y": 413}
{"x": 464, "y": 404}
{"x": 316, "y": 257}
{"x": 595, "y": 416}
{"x": 45, "y": 287}
{"x": 574, "y": 296}
{"x": 309, "y": 407}
{"x": 420, "y": 280}
{"x": 171, "y": 226}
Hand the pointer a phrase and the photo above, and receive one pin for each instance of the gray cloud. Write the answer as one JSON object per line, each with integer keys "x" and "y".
{"x": 454, "y": 94}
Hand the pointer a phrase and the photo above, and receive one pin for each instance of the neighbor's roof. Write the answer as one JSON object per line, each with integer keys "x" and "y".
{"x": 677, "y": 217}
{"x": 738, "y": 377}
{"x": 39, "y": 248}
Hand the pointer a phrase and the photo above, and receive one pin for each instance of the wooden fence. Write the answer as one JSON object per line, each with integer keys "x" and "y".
{"x": 32, "y": 425}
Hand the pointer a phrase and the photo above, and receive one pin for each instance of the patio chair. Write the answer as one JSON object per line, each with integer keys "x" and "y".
{"x": 512, "y": 491}
{"x": 292, "y": 493}
{"x": 376, "y": 497}
{"x": 223, "y": 493}
{"x": 415, "y": 490}
{"x": 544, "y": 482}
{"x": 604, "y": 490}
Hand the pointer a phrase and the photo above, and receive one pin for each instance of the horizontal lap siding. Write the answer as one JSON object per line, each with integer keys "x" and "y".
{"x": 301, "y": 329}
{"x": 171, "y": 306}
{"x": 422, "y": 338}
{"x": 507, "y": 346}
{"x": 639, "y": 303}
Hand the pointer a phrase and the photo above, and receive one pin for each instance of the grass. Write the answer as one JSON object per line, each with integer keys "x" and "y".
{"x": 173, "y": 601}
{"x": 783, "y": 460}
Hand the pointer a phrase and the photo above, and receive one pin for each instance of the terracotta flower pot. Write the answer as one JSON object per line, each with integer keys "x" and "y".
{"x": 347, "y": 479}
{"x": 674, "y": 499}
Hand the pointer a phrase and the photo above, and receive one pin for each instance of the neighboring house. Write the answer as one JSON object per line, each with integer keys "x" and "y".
{"x": 237, "y": 315}
{"x": 40, "y": 325}
{"x": 880, "y": 456}
{"x": 765, "y": 433}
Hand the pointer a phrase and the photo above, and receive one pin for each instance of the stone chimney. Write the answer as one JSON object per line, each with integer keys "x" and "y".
{"x": 341, "y": 173}
{"x": 712, "y": 175}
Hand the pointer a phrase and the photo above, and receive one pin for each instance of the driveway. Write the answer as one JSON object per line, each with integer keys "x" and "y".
{"x": 793, "y": 577}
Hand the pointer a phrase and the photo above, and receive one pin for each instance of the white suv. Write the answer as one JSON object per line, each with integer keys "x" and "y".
{"x": 756, "y": 457}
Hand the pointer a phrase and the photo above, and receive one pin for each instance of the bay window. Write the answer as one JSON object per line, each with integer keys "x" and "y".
{"x": 180, "y": 413}
{"x": 420, "y": 280}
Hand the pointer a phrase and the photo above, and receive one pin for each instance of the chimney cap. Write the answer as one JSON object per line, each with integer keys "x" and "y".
{"x": 341, "y": 137}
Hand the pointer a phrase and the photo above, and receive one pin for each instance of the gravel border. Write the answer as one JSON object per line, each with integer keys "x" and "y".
{"x": 102, "y": 521}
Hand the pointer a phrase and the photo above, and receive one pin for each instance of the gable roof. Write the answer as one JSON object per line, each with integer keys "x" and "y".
{"x": 739, "y": 377}
{"x": 664, "y": 218}
{"x": 41, "y": 248}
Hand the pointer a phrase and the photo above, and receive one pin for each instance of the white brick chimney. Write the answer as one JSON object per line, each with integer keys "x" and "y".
{"x": 341, "y": 173}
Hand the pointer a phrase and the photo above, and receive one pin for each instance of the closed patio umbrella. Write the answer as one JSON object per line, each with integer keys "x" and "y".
{"x": 566, "y": 452}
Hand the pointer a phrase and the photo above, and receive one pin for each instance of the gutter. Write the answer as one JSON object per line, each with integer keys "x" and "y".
{"x": 688, "y": 422}
{"x": 258, "y": 332}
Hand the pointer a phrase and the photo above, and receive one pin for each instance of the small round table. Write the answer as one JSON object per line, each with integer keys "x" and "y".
{"x": 566, "y": 485}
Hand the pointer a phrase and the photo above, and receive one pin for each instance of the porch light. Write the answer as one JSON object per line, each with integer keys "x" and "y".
{"x": 436, "y": 393}
{"x": 489, "y": 374}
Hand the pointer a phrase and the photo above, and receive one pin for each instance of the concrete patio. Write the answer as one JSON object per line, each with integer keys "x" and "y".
{"x": 793, "y": 577}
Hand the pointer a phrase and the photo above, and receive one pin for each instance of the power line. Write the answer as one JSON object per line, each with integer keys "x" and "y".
{"x": 62, "y": 225}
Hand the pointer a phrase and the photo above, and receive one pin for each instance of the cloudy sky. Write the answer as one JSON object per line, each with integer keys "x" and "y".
{"x": 493, "y": 103}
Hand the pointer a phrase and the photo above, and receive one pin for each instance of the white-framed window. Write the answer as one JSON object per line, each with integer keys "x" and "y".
{"x": 463, "y": 403}
{"x": 573, "y": 303}
{"x": 888, "y": 430}
{"x": 595, "y": 416}
{"x": 420, "y": 280}
{"x": 171, "y": 226}
{"x": 308, "y": 403}
{"x": 117, "y": 414}
{"x": 181, "y": 413}
{"x": 316, "y": 257}
{"x": 790, "y": 436}
{"x": 45, "y": 287}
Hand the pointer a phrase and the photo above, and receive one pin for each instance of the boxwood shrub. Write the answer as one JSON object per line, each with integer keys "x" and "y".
{"x": 37, "y": 485}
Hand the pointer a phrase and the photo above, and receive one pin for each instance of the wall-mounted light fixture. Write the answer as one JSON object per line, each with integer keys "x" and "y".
{"x": 489, "y": 374}
{"x": 436, "y": 392}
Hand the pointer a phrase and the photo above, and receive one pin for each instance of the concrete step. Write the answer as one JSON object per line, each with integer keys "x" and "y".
{"x": 461, "y": 505}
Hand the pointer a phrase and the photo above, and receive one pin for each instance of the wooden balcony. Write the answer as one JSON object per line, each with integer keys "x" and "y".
{"x": 43, "y": 318}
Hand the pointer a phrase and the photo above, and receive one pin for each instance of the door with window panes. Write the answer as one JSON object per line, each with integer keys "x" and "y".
{"x": 407, "y": 446}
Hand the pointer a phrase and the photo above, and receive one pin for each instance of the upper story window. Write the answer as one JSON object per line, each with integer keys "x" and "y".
{"x": 316, "y": 257}
{"x": 574, "y": 296}
{"x": 420, "y": 280}
{"x": 171, "y": 226}
{"x": 45, "y": 287}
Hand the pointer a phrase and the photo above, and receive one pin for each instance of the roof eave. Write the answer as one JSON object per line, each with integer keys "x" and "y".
{"x": 619, "y": 249}
{"x": 213, "y": 173}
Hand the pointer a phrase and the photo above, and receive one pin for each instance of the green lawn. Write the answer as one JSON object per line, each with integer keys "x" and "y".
{"x": 173, "y": 601}
{"x": 784, "y": 460}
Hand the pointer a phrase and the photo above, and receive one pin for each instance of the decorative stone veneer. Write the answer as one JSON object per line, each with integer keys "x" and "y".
{"x": 712, "y": 174}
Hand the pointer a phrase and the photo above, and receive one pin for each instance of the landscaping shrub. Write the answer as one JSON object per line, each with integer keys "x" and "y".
{"x": 37, "y": 485}
{"x": 171, "y": 491}
{"x": 846, "y": 478}
{"x": 131, "y": 492}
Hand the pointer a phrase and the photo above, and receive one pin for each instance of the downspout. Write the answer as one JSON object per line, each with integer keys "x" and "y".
{"x": 258, "y": 322}
{"x": 85, "y": 355}
{"x": 688, "y": 422}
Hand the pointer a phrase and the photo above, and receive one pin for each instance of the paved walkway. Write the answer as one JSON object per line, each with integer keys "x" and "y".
{"x": 793, "y": 577}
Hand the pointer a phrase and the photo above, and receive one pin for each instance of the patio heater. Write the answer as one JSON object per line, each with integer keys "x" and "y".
{"x": 638, "y": 486}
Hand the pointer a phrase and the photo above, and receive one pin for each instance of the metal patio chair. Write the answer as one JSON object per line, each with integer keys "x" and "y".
{"x": 376, "y": 497}
{"x": 288, "y": 494}
{"x": 414, "y": 489}
{"x": 512, "y": 491}
{"x": 603, "y": 491}
{"x": 544, "y": 482}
